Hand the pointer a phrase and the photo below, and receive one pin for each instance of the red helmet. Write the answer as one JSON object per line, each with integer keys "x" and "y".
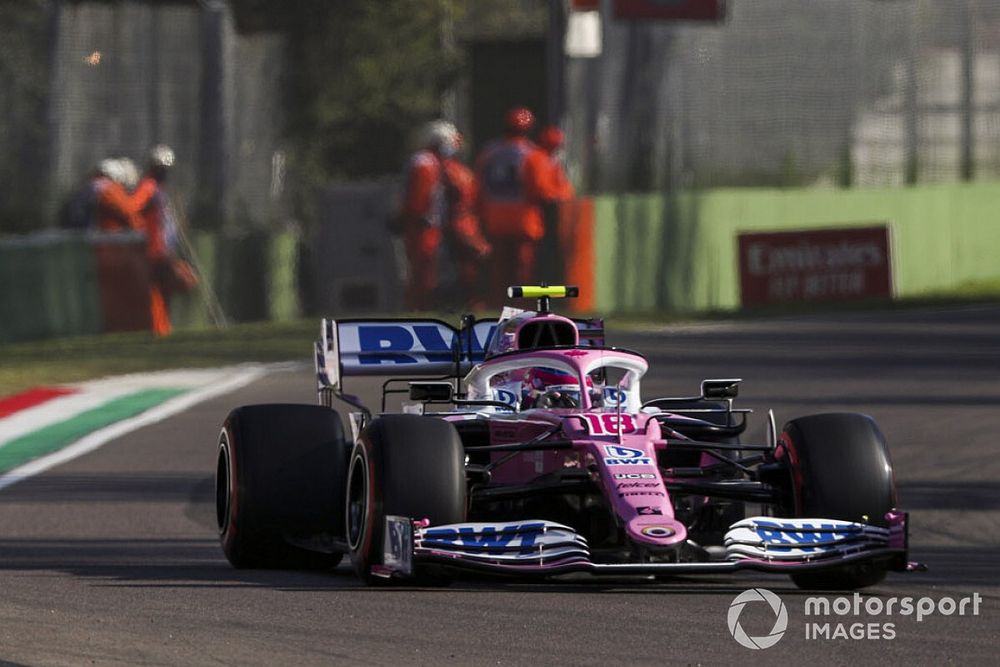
{"x": 551, "y": 138}
{"x": 520, "y": 120}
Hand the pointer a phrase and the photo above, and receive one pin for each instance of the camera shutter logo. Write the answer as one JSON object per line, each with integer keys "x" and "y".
{"x": 780, "y": 618}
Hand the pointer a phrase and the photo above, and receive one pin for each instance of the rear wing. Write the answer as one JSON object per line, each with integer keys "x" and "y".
{"x": 411, "y": 347}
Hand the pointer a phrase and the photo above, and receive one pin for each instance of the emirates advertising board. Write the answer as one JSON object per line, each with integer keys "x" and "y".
{"x": 815, "y": 265}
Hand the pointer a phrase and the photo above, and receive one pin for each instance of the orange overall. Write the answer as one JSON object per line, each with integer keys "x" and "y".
{"x": 150, "y": 202}
{"x": 114, "y": 210}
{"x": 424, "y": 210}
{"x": 469, "y": 247}
{"x": 514, "y": 183}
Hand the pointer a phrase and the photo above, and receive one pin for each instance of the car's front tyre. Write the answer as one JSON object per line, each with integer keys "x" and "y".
{"x": 840, "y": 469}
{"x": 402, "y": 465}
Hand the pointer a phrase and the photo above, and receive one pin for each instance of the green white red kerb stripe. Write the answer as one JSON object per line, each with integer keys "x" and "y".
{"x": 47, "y": 426}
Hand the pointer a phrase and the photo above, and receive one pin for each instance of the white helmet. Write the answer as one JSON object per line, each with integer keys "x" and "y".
{"x": 129, "y": 174}
{"x": 161, "y": 155}
{"x": 441, "y": 135}
{"x": 108, "y": 167}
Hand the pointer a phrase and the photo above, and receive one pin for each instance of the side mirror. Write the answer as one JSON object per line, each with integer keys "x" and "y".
{"x": 438, "y": 392}
{"x": 720, "y": 390}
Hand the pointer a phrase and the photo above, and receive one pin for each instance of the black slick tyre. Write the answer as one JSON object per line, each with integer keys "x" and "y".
{"x": 840, "y": 469}
{"x": 279, "y": 485}
{"x": 402, "y": 465}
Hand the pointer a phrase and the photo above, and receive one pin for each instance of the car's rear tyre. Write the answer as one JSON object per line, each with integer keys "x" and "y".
{"x": 402, "y": 465}
{"x": 280, "y": 474}
{"x": 840, "y": 469}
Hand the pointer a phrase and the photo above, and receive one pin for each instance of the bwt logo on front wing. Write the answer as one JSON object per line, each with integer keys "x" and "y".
{"x": 516, "y": 535}
{"x": 625, "y": 456}
{"x": 785, "y": 533}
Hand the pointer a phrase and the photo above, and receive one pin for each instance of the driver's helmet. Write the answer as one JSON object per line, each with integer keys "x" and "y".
{"x": 552, "y": 388}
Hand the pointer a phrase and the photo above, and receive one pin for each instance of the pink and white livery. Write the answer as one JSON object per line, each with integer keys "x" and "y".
{"x": 524, "y": 447}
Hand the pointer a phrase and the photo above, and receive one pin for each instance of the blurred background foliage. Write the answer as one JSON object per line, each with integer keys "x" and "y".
{"x": 362, "y": 75}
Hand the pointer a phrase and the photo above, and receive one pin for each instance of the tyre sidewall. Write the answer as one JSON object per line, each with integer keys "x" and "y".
{"x": 284, "y": 467}
{"x": 415, "y": 468}
{"x": 366, "y": 549}
{"x": 231, "y": 515}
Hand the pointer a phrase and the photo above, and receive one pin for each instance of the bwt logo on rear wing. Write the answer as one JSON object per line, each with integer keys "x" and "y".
{"x": 411, "y": 346}
{"x": 388, "y": 347}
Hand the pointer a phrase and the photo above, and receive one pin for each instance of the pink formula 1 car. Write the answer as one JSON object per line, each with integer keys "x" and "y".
{"x": 524, "y": 447}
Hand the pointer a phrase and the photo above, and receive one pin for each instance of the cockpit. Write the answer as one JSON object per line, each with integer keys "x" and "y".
{"x": 554, "y": 378}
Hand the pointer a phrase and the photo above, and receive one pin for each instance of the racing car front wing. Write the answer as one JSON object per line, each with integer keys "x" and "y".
{"x": 545, "y": 548}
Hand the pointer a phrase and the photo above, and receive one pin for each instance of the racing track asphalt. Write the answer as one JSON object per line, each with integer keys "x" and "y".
{"x": 112, "y": 558}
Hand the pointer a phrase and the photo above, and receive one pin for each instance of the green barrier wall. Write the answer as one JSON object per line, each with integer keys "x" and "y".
{"x": 49, "y": 286}
{"x": 679, "y": 253}
{"x": 252, "y": 277}
{"x": 282, "y": 285}
{"x": 190, "y": 311}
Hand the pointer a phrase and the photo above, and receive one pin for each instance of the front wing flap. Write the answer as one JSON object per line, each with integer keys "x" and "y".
{"x": 521, "y": 543}
{"x": 801, "y": 539}
{"x": 540, "y": 547}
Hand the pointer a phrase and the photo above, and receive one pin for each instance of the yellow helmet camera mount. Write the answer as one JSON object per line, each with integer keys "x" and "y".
{"x": 543, "y": 293}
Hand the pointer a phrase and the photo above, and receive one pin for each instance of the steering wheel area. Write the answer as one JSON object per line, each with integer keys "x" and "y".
{"x": 558, "y": 399}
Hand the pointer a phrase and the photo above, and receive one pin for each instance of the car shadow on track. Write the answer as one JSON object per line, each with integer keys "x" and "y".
{"x": 181, "y": 563}
{"x": 198, "y": 563}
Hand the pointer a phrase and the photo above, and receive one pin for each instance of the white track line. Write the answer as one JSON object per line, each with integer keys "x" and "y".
{"x": 89, "y": 443}
{"x": 52, "y": 411}
{"x": 95, "y": 393}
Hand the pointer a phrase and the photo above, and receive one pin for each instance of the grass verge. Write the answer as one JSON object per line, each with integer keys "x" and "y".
{"x": 60, "y": 361}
